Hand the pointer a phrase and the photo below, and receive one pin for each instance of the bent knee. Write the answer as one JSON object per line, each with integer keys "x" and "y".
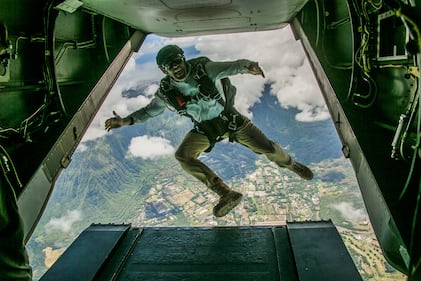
{"x": 183, "y": 155}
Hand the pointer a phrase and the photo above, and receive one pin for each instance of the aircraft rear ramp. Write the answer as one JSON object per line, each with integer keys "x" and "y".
{"x": 295, "y": 251}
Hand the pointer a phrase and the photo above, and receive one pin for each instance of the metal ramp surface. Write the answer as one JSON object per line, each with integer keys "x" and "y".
{"x": 297, "y": 251}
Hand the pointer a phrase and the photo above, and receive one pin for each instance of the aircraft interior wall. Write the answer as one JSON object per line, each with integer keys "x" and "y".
{"x": 49, "y": 64}
{"x": 370, "y": 53}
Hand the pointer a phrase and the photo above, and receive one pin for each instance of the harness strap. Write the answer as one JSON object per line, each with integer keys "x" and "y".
{"x": 232, "y": 126}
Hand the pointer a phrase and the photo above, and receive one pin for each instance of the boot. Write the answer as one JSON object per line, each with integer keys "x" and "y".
{"x": 226, "y": 203}
{"x": 228, "y": 200}
{"x": 300, "y": 169}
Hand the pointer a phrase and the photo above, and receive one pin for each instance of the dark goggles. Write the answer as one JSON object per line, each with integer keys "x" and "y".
{"x": 173, "y": 63}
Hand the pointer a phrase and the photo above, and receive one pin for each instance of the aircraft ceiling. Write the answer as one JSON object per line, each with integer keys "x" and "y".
{"x": 180, "y": 18}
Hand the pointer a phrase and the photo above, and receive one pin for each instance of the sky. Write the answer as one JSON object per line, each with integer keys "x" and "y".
{"x": 282, "y": 58}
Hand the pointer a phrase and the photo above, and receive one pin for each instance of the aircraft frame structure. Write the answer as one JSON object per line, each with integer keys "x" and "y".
{"x": 59, "y": 60}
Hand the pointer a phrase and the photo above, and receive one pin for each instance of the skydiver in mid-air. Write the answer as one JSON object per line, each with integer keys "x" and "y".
{"x": 200, "y": 89}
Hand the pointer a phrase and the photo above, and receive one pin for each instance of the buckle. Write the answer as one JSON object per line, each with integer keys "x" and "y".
{"x": 232, "y": 126}
{"x": 223, "y": 117}
{"x": 182, "y": 112}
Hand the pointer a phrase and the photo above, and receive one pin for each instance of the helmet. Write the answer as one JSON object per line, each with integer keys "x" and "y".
{"x": 168, "y": 54}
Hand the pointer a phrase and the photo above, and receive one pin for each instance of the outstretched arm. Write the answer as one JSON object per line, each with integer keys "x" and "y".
{"x": 219, "y": 70}
{"x": 154, "y": 108}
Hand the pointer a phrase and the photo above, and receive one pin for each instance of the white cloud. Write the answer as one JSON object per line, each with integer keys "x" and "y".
{"x": 349, "y": 212}
{"x": 299, "y": 89}
{"x": 147, "y": 147}
{"x": 64, "y": 223}
{"x": 94, "y": 132}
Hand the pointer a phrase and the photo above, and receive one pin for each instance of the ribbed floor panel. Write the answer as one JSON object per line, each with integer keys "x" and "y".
{"x": 306, "y": 251}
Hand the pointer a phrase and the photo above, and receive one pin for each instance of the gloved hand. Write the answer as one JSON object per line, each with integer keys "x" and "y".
{"x": 255, "y": 69}
{"x": 116, "y": 122}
